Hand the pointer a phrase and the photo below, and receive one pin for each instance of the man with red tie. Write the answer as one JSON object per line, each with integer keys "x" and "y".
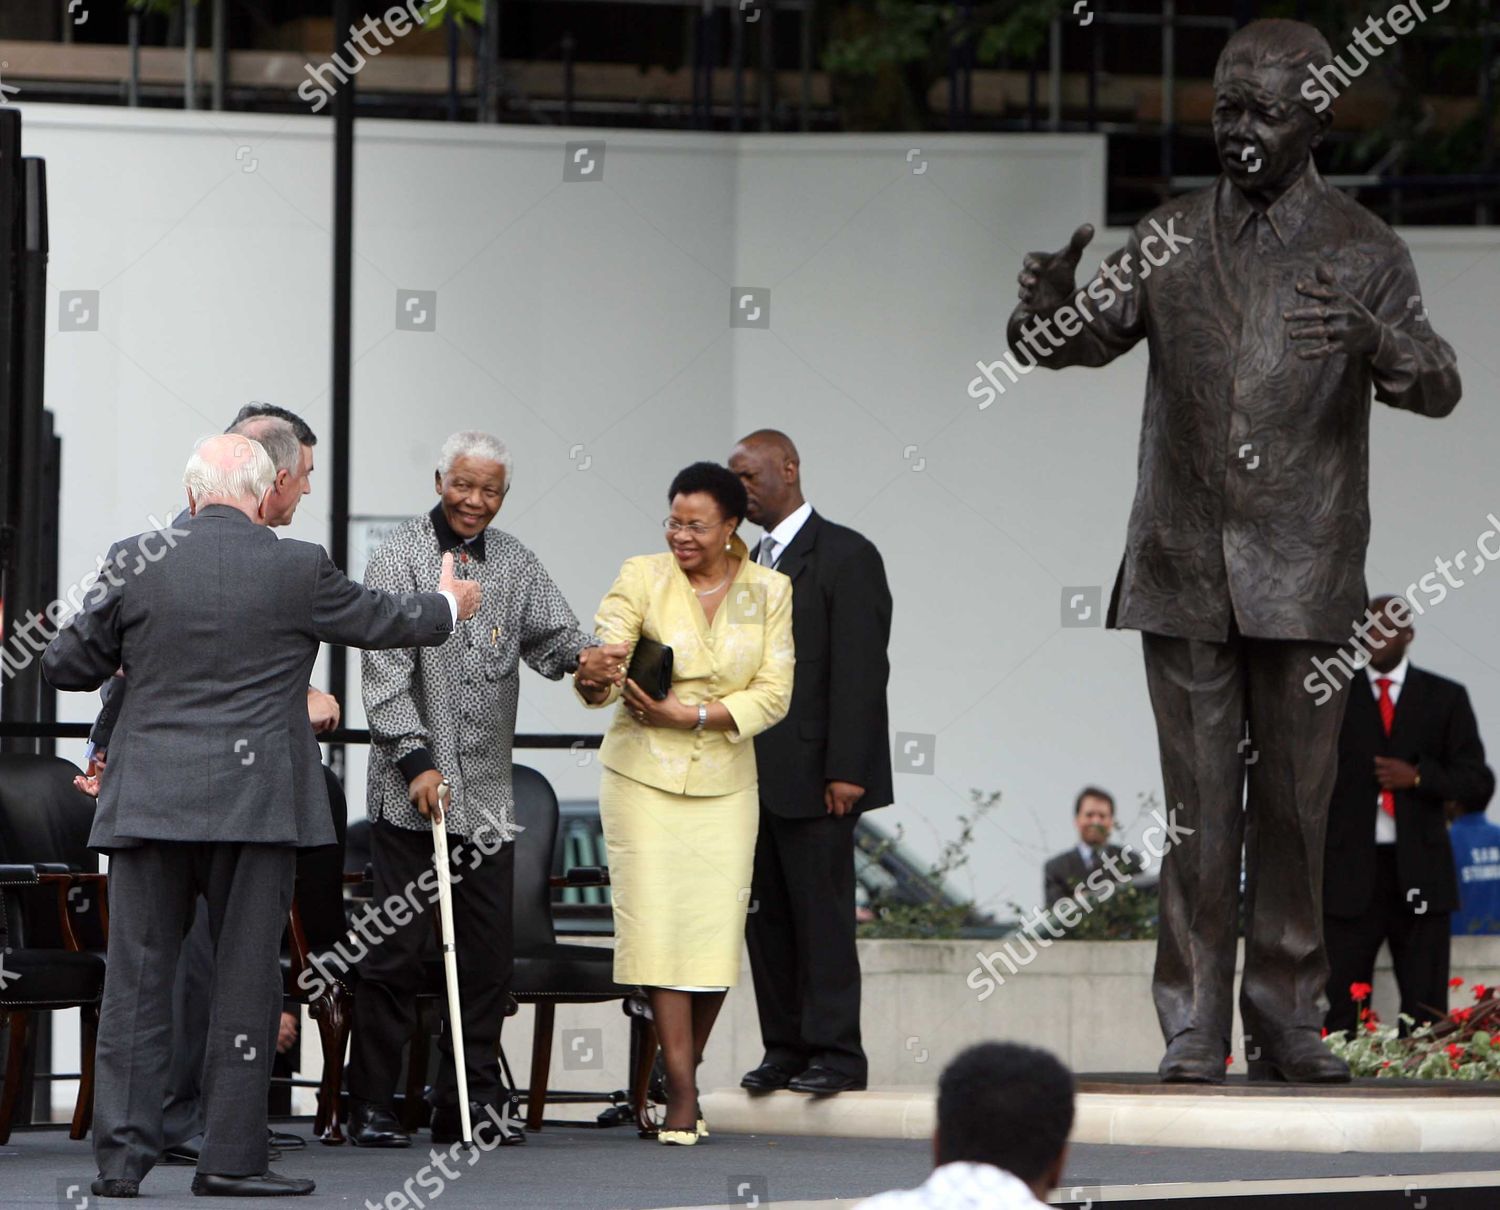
{"x": 1409, "y": 744}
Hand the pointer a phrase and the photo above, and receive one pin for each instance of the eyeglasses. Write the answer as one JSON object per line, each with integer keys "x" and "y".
{"x": 696, "y": 528}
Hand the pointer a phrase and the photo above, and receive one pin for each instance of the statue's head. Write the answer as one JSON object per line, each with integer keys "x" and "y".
{"x": 1265, "y": 125}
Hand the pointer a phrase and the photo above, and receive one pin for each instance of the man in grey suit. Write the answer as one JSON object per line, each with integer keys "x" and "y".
{"x": 214, "y": 782}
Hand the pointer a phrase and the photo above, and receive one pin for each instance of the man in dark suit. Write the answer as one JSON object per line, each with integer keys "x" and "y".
{"x": 1409, "y": 745}
{"x": 213, "y": 783}
{"x": 1094, "y": 817}
{"x": 822, "y": 765}
{"x": 1273, "y": 307}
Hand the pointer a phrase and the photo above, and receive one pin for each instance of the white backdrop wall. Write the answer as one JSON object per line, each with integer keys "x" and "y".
{"x": 588, "y": 323}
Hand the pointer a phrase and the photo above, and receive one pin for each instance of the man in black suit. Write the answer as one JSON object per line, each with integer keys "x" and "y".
{"x": 827, "y": 761}
{"x": 1408, "y": 745}
{"x": 1094, "y": 817}
{"x": 213, "y": 783}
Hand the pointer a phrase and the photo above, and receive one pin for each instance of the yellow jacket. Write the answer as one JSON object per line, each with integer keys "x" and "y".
{"x": 743, "y": 660}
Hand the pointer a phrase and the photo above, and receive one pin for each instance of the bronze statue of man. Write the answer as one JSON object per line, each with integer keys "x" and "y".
{"x": 1272, "y": 306}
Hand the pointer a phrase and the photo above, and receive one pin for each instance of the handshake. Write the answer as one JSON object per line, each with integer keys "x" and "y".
{"x": 465, "y": 592}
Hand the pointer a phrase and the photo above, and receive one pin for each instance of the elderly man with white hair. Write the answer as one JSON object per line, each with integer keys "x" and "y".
{"x": 441, "y": 717}
{"x": 213, "y": 784}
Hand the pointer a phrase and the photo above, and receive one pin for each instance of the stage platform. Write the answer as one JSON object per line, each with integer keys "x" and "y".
{"x": 588, "y": 1168}
{"x": 1372, "y": 1116}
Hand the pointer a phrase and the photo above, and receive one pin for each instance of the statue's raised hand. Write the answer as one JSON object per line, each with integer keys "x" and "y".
{"x": 1047, "y": 277}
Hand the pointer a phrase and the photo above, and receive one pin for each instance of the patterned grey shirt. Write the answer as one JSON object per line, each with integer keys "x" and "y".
{"x": 453, "y": 708}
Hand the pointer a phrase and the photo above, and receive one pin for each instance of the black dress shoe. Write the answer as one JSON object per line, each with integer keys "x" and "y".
{"x": 447, "y": 1123}
{"x": 374, "y": 1126}
{"x": 766, "y": 1078}
{"x": 824, "y": 1081}
{"x": 114, "y": 1186}
{"x": 286, "y": 1142}
{"x": 1194, "y": 1058}
{"x": 184, "y": 1153}
{"x": 1298, "y": 1057}
{"x": 265, "y": 1184}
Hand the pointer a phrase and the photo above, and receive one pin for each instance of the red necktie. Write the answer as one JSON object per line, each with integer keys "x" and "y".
{"x": 1387, "y": 716}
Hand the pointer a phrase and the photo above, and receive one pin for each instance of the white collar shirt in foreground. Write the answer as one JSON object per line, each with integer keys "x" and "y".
{"x": 781, "y": 537}
{"x": 961, "y": 1186}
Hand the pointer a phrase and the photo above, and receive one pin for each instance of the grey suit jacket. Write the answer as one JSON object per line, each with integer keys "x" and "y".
{"x": 217, "y": 637}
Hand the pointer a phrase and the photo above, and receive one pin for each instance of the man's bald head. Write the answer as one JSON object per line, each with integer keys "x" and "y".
{"x": 229, "y": 469}
{"x": 769, "y": 466}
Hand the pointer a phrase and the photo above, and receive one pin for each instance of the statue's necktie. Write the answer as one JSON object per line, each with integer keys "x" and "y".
{"x": 1387, "y": 717}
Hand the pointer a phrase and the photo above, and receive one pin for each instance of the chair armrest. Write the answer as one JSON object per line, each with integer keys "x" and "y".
{"x": 19, "y": 875}
{"x": 66, "y": 884}
{"x": 581, "y": 876}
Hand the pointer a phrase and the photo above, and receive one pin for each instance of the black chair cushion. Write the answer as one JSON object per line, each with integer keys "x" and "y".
{"x": 51, "y": 979}
{"x": 563, "y": 970}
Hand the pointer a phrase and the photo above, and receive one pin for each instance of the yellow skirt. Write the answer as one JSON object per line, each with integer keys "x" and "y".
{"x": 679, "y": 870}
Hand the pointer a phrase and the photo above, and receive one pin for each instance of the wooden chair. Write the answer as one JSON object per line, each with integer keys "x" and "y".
{"x": 54, "y": 920}
{"x": 549, "y": 972}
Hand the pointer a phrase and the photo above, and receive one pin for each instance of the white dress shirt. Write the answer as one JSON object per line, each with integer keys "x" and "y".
{"x": 961, "y": 1186}
{"x": 781, "y": 537}
{"x": 1385, "y": 825}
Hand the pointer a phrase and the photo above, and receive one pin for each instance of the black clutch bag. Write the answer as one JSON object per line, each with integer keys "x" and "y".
{"x": 651, "y": 667}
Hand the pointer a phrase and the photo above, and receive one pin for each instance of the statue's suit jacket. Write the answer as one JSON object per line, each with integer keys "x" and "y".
{"x": 217, "y": 636}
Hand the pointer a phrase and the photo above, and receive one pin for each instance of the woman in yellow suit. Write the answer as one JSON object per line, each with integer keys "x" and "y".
{"x": 678, "y": 794}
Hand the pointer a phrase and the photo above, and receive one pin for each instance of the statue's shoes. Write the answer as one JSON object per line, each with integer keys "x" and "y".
{"x": 1194, "y": 1058}
{"x": 1299, "y": 1057}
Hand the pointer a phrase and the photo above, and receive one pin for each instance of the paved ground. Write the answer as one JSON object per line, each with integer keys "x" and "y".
{"x": 613, "y": 1169}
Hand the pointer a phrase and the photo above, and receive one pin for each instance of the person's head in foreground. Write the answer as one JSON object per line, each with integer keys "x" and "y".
{"x": 231, "y": 470}
{"x": 1004, "y": 1112}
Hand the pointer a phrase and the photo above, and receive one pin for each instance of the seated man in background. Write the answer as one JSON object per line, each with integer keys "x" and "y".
{"x": 1004, "y": 1112}
{"x": 1407, "y": 746}
{"x": 1094, "y": 817}
{"x": 1476, "y": 858}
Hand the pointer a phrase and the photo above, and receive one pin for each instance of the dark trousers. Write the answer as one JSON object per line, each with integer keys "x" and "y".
{"x": 320, "y": 898}
{"x": 1419, "y": 950}
{"x": 192, "y": 999}
{"x": 1203, "y": 695}
{"x": 401, "y": 966}
{"x": 800, "y": 934}
{"x": 247, "y": 889}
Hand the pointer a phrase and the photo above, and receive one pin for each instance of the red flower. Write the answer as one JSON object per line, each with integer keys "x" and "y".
{"x": 1481, "y": 992}
{"x": 1372, "y": 1026}
{"x": 1229, "y": 1062}
{"x": 1461, "y": 1014}
{"x": 1455, "y": 982}
{"x": 1325, "y": 1034}
{"x": 1387, "y": 1063}
{"x": 1359, "y": 991}
{"x": 1453, "y": 1051}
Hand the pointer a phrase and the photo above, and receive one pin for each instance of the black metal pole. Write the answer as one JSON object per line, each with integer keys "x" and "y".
{"x": 30, "y": 591}
{"x": 343, "y": 329}
{"x": 14, "y": 701}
